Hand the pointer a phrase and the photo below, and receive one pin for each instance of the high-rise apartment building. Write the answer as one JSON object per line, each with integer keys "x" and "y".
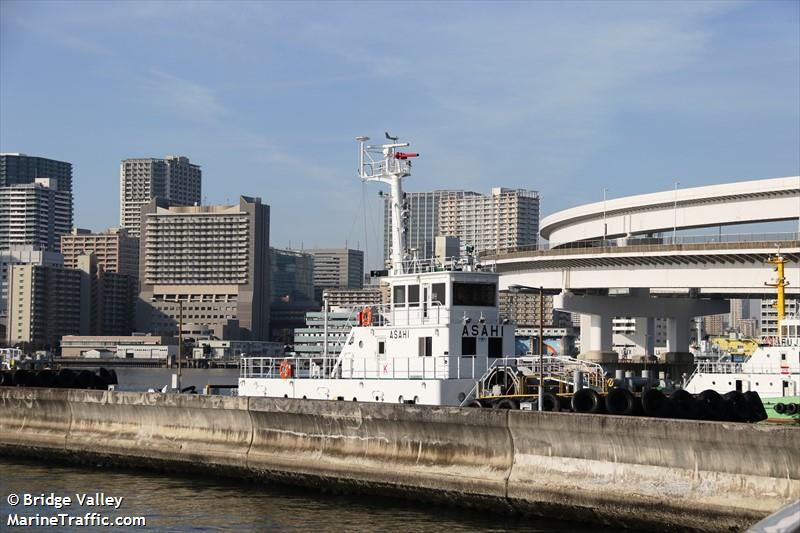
{"x": 714, "y": 324}
{"x": 21, "y": 169}
{"x": 37, "y": 213}
{"x": 214, "y": 260}
{"x": 18, "y": 255}
{"x": 769, "y": 314}
{"x": 423, "y": 220}
{"x": 107, "y": 297}
{"x": 503, "y": 220}
{"x": 522, "y": 308}
{"x": 337, "y": 268}
{"x": 173, "y": 179}
{"x": 44, "y": 303}
{"x": 115, "y": 250}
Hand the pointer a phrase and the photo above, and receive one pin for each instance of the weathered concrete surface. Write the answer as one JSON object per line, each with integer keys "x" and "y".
{"x": 34, "y": 418}
{"x": 663, "y": 474}
{"x": 175, "y": 428}
{"x": 670, "y": 472}
{"x": 384, "y": 446}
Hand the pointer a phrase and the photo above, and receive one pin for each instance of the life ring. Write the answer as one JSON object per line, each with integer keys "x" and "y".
{"x": 286, "y": 369}
{"x": 366, "y": 317}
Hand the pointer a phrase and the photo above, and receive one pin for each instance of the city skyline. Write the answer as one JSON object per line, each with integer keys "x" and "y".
{"x": 566, "y": 99}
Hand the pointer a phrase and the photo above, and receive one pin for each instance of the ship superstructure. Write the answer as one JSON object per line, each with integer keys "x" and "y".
{"x": 439, "y": 333}
{"x": 773, "y": 370}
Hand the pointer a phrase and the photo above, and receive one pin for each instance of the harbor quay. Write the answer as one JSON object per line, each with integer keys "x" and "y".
{"x": 636, "y": 472}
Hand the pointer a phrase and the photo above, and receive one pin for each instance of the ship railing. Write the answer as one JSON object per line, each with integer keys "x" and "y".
{"x": 448, "y": 264}
{"x": 420, "y": 314}
{"x": 727, "y": 367}
{"x": 431, "y": 367}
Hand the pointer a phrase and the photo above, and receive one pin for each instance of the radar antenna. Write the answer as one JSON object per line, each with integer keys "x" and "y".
{"x": 385, "y": 164}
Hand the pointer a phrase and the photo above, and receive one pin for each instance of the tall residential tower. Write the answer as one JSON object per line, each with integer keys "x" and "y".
{"x": 173, "y": 179}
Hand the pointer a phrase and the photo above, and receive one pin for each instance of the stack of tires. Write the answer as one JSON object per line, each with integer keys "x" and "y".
{"x": 788, "y": 409}
{"x": 60, "y": 379}
{"x": 708, "y": 405}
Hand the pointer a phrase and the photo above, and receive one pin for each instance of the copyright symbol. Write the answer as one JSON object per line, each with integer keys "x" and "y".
{"x": 12, "y": 499}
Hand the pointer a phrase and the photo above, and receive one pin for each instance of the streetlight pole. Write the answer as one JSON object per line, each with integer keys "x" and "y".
{"x": 180, "y": 340}
{"x": 675, "y": 215}
{"x": 541, "y": 348}
{"x": 605, "y": 225}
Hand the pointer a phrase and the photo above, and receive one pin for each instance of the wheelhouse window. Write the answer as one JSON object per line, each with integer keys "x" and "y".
{"x": 469, "y": 346}
{"x": 495, "y": 346}
{"x": 474, "y": 294}
{"x": 399, "y": 296}
{"x": 413, "y": 295}
{"x": 425, "y": 346}
{"x": 438, "y": 293}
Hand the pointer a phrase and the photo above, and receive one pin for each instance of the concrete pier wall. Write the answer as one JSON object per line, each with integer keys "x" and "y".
{"x": 661, "y": 474}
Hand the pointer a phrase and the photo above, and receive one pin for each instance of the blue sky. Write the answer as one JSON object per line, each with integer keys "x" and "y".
{"x": 566, "y": 98}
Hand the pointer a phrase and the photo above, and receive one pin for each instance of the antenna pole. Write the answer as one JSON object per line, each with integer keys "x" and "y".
{"x": 384, "y": 164}
{"x": 780, "y": 284}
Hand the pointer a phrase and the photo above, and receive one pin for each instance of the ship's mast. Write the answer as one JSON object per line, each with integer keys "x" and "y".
{"x": 780, "y": 284}
{"x": 385, "y": 164}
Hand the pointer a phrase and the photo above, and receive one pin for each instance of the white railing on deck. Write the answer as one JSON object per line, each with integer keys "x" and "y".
{"x": 736, "y": 368}
{"x": 388, "y": 315}
{"x": 440, "y": 367}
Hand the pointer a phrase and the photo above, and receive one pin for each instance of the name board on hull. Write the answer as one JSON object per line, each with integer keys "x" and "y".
{"x": 399, "y": 334}
{"x": 478, "y": 330}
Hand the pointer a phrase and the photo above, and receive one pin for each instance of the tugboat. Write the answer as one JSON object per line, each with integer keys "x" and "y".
{"x": 773, "y": 370}
{"x": 439, "y": 333}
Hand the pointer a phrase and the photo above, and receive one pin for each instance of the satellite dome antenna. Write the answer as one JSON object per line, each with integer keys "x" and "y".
{"x": 385, "y": 164}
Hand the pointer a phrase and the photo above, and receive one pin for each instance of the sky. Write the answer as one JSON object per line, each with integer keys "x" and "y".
{"x": 566, "y": 98}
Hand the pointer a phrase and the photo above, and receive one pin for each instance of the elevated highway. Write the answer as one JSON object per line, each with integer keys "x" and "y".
{"x": 768, "y": 200}
{"x": 711, "y": 269}
{"x": 613, "y": 259}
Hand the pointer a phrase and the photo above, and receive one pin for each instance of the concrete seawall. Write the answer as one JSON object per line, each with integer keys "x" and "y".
{"x": 661, "y": 474}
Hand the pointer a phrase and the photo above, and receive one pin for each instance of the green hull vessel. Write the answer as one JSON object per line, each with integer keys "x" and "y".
{"x": 773, "y": 416}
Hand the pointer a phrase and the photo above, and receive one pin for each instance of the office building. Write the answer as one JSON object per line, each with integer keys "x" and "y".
{"x": 208, "y": 263}
{"x": 37, "y": 214}
{"x": 173, "y": 179}
{"x": 115, "y": 250}
{"x": 21, "y": 169}
{"x": 310, "y": 339}
{"x": 337, "y": 268}
{"x": 423, "y": 220}
{"x": 504, "y": 220}
{"x": 292, "y": 275}
{"x": 44, "y": 303}
{"x": 20, "y": 255}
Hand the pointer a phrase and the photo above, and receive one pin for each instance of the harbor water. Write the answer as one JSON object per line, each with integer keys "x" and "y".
{"x": 176, "y": 502}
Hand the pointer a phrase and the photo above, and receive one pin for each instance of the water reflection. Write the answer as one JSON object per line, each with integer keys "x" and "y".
{"x": 173, "y": 502}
